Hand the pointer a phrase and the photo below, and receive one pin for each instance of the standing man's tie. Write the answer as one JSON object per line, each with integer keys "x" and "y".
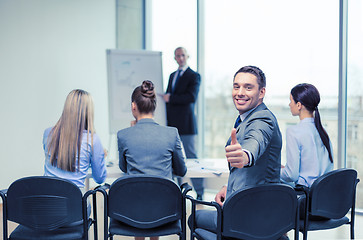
{"x": 176, "y": 79}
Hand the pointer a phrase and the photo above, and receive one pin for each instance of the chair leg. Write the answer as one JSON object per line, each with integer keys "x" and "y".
{"x": 352, "y": 230}
{"x": 305, "y": 235}
{"x": 352, "y": 221}
{"x": 94, "y": 220}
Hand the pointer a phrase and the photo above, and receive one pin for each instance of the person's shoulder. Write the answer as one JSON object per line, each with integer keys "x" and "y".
{"x": 295, "y": 130}
{"x": 167, "y": 130}
{"x": 171, "y": 129}
{"x": 191, "y": 71}
{"x": 262, "y": 111}
{"x": 262, "y": 115}
{"x": 123, "y": 132}
{"x": 96, "y": 138}
{"x": 47, "y": 131}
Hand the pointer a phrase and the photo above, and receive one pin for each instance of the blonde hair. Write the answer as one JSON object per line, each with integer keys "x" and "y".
{"x": 64, "y": 144}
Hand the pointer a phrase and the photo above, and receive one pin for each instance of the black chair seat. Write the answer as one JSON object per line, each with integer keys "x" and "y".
{"x": 325, "y": 224}
{"x": 203, "y": 234}
{"x": 144, "y": 206}
{"x": 120, "y": 228}
{"x": 47, "y": 208}
{"x": 328, "y": 201}
{"x": 261, "y": 212}
{"x": 24, "y": 233}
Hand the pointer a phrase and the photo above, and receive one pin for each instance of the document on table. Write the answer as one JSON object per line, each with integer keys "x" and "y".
{"x": 205, "y": 166}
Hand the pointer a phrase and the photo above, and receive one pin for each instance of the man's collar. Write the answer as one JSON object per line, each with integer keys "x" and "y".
{"x": 245, "y": 114}
{"x": 183, "y": 68}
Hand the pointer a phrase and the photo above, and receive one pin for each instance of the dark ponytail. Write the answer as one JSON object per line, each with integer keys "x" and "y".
{"x": 309, "y": 96}
{"x": 323, "y": 134}
{"x": 144, "y": 97}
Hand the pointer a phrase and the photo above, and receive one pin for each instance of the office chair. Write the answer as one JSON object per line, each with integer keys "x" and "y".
{"x": 47, "y": 208}
{"x": 262, "y": 212}
{"x": 3, "y": 196}
{"x": 144, "y": 206}
{"x": 328, "y": 201}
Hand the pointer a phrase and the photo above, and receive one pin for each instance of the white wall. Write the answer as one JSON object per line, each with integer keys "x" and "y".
{"x": 48, "y": 48}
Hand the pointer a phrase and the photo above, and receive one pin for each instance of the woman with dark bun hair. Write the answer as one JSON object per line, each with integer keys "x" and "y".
{"x": 308, "y": 147}
{"x": 146, "y": 147}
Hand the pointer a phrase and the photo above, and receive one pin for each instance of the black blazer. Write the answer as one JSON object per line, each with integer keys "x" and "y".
{"x": 180, "y": 109}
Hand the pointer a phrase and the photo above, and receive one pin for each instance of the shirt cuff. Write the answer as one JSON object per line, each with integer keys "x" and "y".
{"x": 250, "y": 162}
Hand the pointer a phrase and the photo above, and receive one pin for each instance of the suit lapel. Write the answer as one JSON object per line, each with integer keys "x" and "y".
{"x": 168, "y": 90}
{"x": 181, "y": 80}
{"x": 241, "y": 128}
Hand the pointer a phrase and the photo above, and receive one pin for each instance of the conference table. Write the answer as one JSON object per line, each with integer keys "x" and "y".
{"x": 197, "y": 168}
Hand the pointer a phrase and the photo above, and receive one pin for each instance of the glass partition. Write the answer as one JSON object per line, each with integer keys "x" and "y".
{"x": 290, "y": 41}
{"x": 174, "y": 25}
{"x": 355, "y": 92}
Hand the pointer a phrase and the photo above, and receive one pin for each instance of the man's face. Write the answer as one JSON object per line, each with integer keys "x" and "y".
{"x": 246, "y": 93}
{"x": 181, "y": 57}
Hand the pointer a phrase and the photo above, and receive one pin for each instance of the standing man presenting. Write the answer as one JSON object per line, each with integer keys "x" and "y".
{"x": 254, "y": 149}
{"x": 180, "y": 98}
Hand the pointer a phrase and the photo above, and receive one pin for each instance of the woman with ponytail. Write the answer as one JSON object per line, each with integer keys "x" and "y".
{"x": 308, "y": 147}
{"x": 146, "y": 147}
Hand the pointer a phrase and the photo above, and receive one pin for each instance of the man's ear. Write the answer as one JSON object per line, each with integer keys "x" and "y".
{"x": 262, "y": 93}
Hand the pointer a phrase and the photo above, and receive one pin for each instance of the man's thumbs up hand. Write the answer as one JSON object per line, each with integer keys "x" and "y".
{"x": 234, "y": 137}
{"x": 234, "y": 153}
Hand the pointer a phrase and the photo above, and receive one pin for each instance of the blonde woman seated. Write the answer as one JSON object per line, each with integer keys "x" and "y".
{"x": 308, "y": 147}
{"x": 146, "y": 147}
{"x": 71, "y": 147}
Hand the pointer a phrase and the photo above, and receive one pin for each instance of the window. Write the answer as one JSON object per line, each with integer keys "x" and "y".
{"x": 288, "y": 46}
{"x": 289, "y": 40}
{"x": 353, "y": 131}
{"x": 174, "y": 25}
{"x": 355, "y": 92}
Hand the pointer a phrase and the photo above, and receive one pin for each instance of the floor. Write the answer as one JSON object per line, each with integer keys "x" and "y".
{"x": 335, "y": 234}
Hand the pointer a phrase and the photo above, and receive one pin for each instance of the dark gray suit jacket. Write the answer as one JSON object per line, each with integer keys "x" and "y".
{"x": 180, "y": 108}
{"x": 148, "y": 148}
{"x": 259, "y": 133}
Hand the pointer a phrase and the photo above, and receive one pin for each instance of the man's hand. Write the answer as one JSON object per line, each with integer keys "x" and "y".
{"x": 221, "y": 196}
{"x": 166, "y": 97}
{"x": 234, "y": 153}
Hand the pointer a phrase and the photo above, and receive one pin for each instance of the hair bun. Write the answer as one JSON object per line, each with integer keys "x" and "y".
{"x": 147, "y": 89}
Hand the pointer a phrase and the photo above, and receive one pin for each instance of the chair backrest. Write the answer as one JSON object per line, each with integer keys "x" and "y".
{"x": 260, "y": 212}
{"x": 44, "y": 203}
{"x": 333, "y": 194}
{"x": 145, "y": 201}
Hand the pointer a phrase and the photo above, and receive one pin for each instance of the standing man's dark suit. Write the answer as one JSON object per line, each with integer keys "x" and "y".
{"x": 181, "y": 96}
{"x": 180, "y": 108}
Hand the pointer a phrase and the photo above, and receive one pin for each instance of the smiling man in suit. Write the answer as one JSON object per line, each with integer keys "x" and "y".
{"x": 253, "y": 151}
{"x": 180, "y": 98}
